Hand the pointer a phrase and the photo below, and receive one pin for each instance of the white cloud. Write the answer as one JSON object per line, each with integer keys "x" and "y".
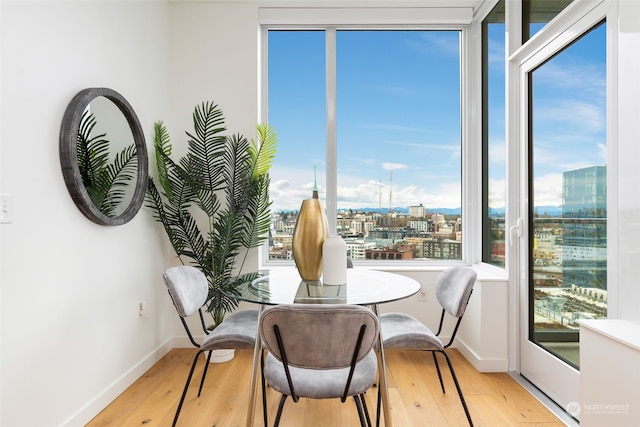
{"x": 435, "y": 42}
{"x": 573, "y": 114}
{"x": 497, "y": 190}
{"x": 497, "y": 55}
{"x": 579, "y": 76}
{"x": 602, "y": 151}
{"x": 354, "y": 193}
{"x": 548, "y": 190}
{"x": 388, "y": 166}
{"x": 497, "y": 151}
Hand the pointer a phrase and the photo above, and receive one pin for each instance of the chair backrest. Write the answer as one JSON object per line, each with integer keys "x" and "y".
{"x": 453, "y": 288}
{"x": 321, "y": 336}
{"x": 188, "y": 288}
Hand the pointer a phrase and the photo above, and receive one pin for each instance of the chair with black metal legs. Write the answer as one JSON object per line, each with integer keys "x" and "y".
{"x": 188, "y": 288}
{"x": 402, "y": 331}
{"x": 320, "y": 351}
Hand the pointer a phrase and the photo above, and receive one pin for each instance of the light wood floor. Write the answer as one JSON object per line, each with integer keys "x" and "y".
{"x": 494, "y": 399}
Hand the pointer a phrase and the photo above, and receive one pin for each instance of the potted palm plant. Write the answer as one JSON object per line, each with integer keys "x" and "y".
{"x": 214, "y": 201}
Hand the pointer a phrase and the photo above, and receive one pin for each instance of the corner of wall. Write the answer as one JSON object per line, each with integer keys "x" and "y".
{"x": 483, "y": 338}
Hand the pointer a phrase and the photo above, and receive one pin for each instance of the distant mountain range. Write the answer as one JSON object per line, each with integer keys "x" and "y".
{"x": 498, "y": 212}
{"x": 540, "y": 210}
{"x": 405, "y": 210}
{"x": 399, "y": 209}
{"x": 549, "y": 210}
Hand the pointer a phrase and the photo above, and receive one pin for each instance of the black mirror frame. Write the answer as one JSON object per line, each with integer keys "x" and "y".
{"x": 69, "y": 157}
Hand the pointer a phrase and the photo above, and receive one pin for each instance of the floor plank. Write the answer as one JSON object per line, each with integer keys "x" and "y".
{"x": 416, "y": 399}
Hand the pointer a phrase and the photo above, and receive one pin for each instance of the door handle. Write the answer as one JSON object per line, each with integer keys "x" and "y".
{"x": 515, "y": 229}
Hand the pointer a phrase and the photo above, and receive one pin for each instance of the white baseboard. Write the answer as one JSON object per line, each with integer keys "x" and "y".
{"x": 481, "y": 364}
{"x": 101, "y": 401}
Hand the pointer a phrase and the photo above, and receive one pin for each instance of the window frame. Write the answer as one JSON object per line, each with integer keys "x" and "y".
{"x": 403, "y": 19}
{"x": 486, "y": 239}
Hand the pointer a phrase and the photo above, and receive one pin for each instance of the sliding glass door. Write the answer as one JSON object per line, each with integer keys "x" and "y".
{"x": 564, "y": 213}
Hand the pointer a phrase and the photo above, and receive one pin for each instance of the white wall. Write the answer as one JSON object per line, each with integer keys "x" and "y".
{"x": 214, "y": 58}
{"x": 71, "y": 335}
{"x": 627, "y": 130}
{"x": 609, "y": 391}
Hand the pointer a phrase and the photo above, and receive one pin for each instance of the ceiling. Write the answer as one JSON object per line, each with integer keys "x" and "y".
{"x": 475, "y": 4}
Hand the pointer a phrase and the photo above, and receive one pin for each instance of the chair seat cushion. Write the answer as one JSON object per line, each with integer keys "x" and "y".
{"x": 237, "y": 330}
{"x": 329, "y": 385}
{"x": 400, "y": 330}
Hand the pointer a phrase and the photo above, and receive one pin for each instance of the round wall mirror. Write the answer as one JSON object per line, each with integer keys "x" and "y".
{"x": 104, "y": 156}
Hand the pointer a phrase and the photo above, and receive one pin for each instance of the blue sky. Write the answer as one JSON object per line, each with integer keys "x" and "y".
{"x": 398, "y": 117}
{"x": 569, "y": 110}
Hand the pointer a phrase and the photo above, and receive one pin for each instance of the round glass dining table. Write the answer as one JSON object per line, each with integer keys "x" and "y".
{"x": 363, "y": 287}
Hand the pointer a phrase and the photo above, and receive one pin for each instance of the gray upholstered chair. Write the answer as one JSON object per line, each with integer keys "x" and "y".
{"x": 188, "y": 288}
{"x": 321, "y": 352}
{"x": 402, "y": 331}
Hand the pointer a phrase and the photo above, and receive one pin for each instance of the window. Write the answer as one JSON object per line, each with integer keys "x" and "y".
{"x": 568, "y": 196}
{"x": 537, "y": 13}
{"x": 374, "y": 117}
{"x": 493, "y": 136}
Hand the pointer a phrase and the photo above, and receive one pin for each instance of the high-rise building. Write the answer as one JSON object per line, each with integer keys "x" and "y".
{"x": 416, "y": 211}
{"x": 426, "y": 226}
{"x": 584, "y": 193}
{"x": 584, "y": 229}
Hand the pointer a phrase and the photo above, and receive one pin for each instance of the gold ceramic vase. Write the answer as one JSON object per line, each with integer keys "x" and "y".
{"x": 309, "y": 235}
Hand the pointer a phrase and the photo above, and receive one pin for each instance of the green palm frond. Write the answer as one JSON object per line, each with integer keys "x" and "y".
{"x": 236, "y": 173}
{"x": 226, "y": 237}
{"x": 181, "y": 186}
{"x": 117, "y": 176}
{"x": 182, "y": 229}
{"x": 162, "y": 146}
{"x": 259, "y": 213}
{"x": 106, "y": 184}
{"x": 92, "y": 151}
{"x": 222, "y": 178}
{"x": 264, "y": 150}
{"x": 167, "y": 219}
{"x": 262, "y": 153}
{"x": 195, "y": 245}
{"x": 206, "y": 145}
{"x": 171, "y": 206}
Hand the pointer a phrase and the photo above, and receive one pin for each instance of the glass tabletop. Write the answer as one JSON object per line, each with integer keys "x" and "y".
{"x": 363, "y": 287}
